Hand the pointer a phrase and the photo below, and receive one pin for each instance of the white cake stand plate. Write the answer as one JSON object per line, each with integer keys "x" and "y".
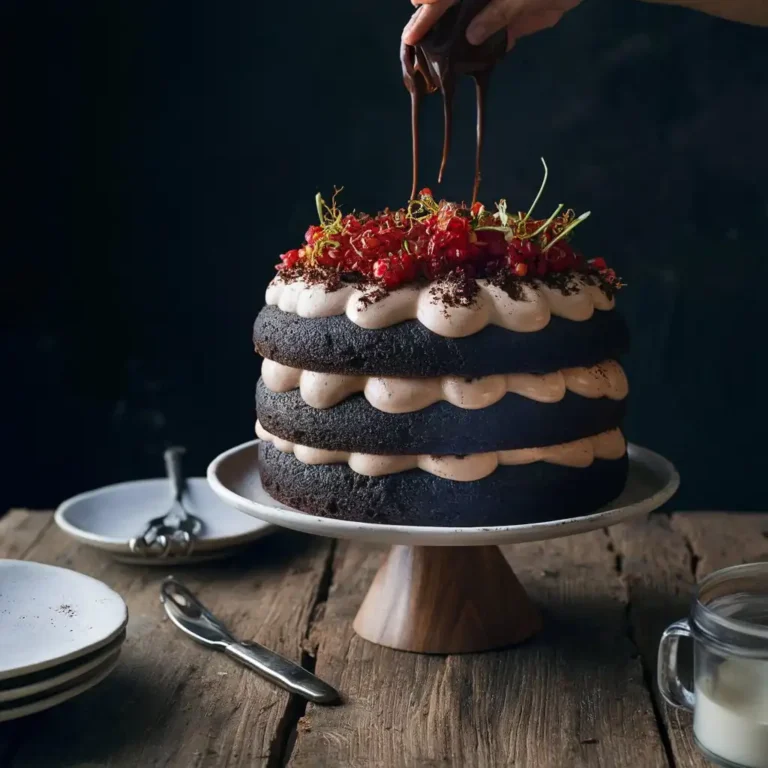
{"x": 443, "y": 590}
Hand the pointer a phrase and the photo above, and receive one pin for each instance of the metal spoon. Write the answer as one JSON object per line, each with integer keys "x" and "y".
{"x": 193, "y": 618}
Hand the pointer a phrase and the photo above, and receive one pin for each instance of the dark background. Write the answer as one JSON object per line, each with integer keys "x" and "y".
{"x": 158, "y": 156}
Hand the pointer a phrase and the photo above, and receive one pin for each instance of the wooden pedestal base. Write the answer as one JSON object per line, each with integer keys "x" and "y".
{"x": 446, "y": 600}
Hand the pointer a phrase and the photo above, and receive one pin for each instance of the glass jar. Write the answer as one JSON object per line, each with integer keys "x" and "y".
{"x": 729, "y": 701}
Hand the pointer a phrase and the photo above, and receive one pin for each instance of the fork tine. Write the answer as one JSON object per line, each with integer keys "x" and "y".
{"x": 165, "y": 543}
{"x": 174, "y": 532}
{"x": 189, "y": 543}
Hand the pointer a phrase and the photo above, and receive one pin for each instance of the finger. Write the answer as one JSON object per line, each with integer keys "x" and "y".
{"x": 495, "y": 16}
{"x": 511, "y": 40}
{"x": 528, "y": 23}
{"x": 423, "y": 20}
{"x": 417, "y": 3}
{"x": 409, "y": 26}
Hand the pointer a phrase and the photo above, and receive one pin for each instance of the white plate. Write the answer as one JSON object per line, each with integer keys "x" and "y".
{"x": 24, "y": 708}
{"x": 55, "y": 677}
{"x": 50, "y": 615}
{"x": 234, "y": 476}
{"x": 108, "y": 518}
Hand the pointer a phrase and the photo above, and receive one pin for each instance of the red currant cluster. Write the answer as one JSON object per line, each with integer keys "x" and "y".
{"x": 430, "y": 240}
{"x": 607, "y": 274}
{"x": 527, "y": 258}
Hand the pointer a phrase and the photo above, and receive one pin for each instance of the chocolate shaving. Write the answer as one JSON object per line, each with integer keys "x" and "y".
{"x": 372, "y": 296}
{"x": 511, "y": 284}
{"x": 596, "y": 278}
{"x": 330, "y": 279}
{"x": 565, "y": 282}
{"x": 456, "y": 288}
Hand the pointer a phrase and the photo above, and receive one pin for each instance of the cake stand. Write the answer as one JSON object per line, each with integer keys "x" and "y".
{"x": 443, "y": 590}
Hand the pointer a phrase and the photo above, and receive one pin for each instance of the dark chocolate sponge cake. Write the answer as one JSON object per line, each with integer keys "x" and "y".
{"x": 441, "y": 365}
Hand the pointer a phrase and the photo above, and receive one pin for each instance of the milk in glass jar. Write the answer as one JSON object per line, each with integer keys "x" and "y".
{"x": 729, "y": 700}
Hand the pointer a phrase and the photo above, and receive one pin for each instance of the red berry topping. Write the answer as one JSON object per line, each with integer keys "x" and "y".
{"x": 289, "y": 259}
{"x": 394, "y": 270}
{"x": 561, "y": 257}
{"x": 430, "y": 240}
{"x": 313, "y": 233}
{"x": 494, "y": 242}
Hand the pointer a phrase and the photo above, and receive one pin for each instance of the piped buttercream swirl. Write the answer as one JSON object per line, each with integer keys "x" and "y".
{"x": 405, "y": 395}
{"x": 474, "y": 466}
{"x": 491, "y": 306}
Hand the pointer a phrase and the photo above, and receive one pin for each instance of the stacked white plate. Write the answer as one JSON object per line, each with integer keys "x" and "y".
{"x": 109, "y": 517}
{"x": 60, "y": 634}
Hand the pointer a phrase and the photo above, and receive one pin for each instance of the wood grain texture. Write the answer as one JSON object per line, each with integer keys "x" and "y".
{"x": 171, "y": 702}
{"x": 717, "y": 539}
{"x": 572, "y": 696}
{"x": 20, "y": 530}
{"x": 575, "y": 695}
{"x": 656, "y": 566}
{"x": 660, "y": 562}
{"x": 446, "y": 600}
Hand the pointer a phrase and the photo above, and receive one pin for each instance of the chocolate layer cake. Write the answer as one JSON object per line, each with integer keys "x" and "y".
{"x": 441, "y": 365}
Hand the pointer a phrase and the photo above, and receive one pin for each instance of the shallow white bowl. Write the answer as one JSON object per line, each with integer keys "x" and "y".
{"x": 108, "y": 518}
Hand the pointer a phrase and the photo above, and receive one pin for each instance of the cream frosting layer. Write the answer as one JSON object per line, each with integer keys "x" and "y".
{"x": 474, "y": 466}
{"x": 491, "y": 306}
{"x": 404, "y": 395}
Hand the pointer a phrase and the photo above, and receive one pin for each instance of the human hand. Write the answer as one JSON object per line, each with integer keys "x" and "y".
{"x": 520, "y": 17}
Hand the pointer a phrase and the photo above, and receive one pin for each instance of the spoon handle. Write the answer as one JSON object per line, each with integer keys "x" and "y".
{"x": 283, "y": 672}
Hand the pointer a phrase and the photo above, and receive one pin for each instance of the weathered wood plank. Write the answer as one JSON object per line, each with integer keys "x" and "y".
{"x": 718, "y": 539}
{"x": 657, "y": 568}
{"x": 660, "y": 560}
{"x": 573, "y": 696}
{"x": 20, "y": 530}
{"x": 171, "y": 702}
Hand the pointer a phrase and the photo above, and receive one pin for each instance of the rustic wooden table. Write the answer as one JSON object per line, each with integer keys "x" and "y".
{"x": 580, "y": 694}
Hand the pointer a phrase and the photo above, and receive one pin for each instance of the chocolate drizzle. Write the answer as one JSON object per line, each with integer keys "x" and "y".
{"x": 481, "y": 89}
{"x": 437, "y": 61}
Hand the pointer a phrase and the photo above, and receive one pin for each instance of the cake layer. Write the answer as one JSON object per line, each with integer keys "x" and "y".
{"x": 402, "y": 395}
{"x": 513, "y": 422}
{"x": 510, "y": 495}
{"x": 336, "y": 345}
{"x": 443, "y": 308}
{"x": 459, "y": 467}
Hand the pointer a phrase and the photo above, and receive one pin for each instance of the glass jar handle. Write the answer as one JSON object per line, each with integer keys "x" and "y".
{"x": 670, "y": 685}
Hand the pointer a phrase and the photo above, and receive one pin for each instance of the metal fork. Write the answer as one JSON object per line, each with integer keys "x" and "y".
{"x": 175, "y": 531}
